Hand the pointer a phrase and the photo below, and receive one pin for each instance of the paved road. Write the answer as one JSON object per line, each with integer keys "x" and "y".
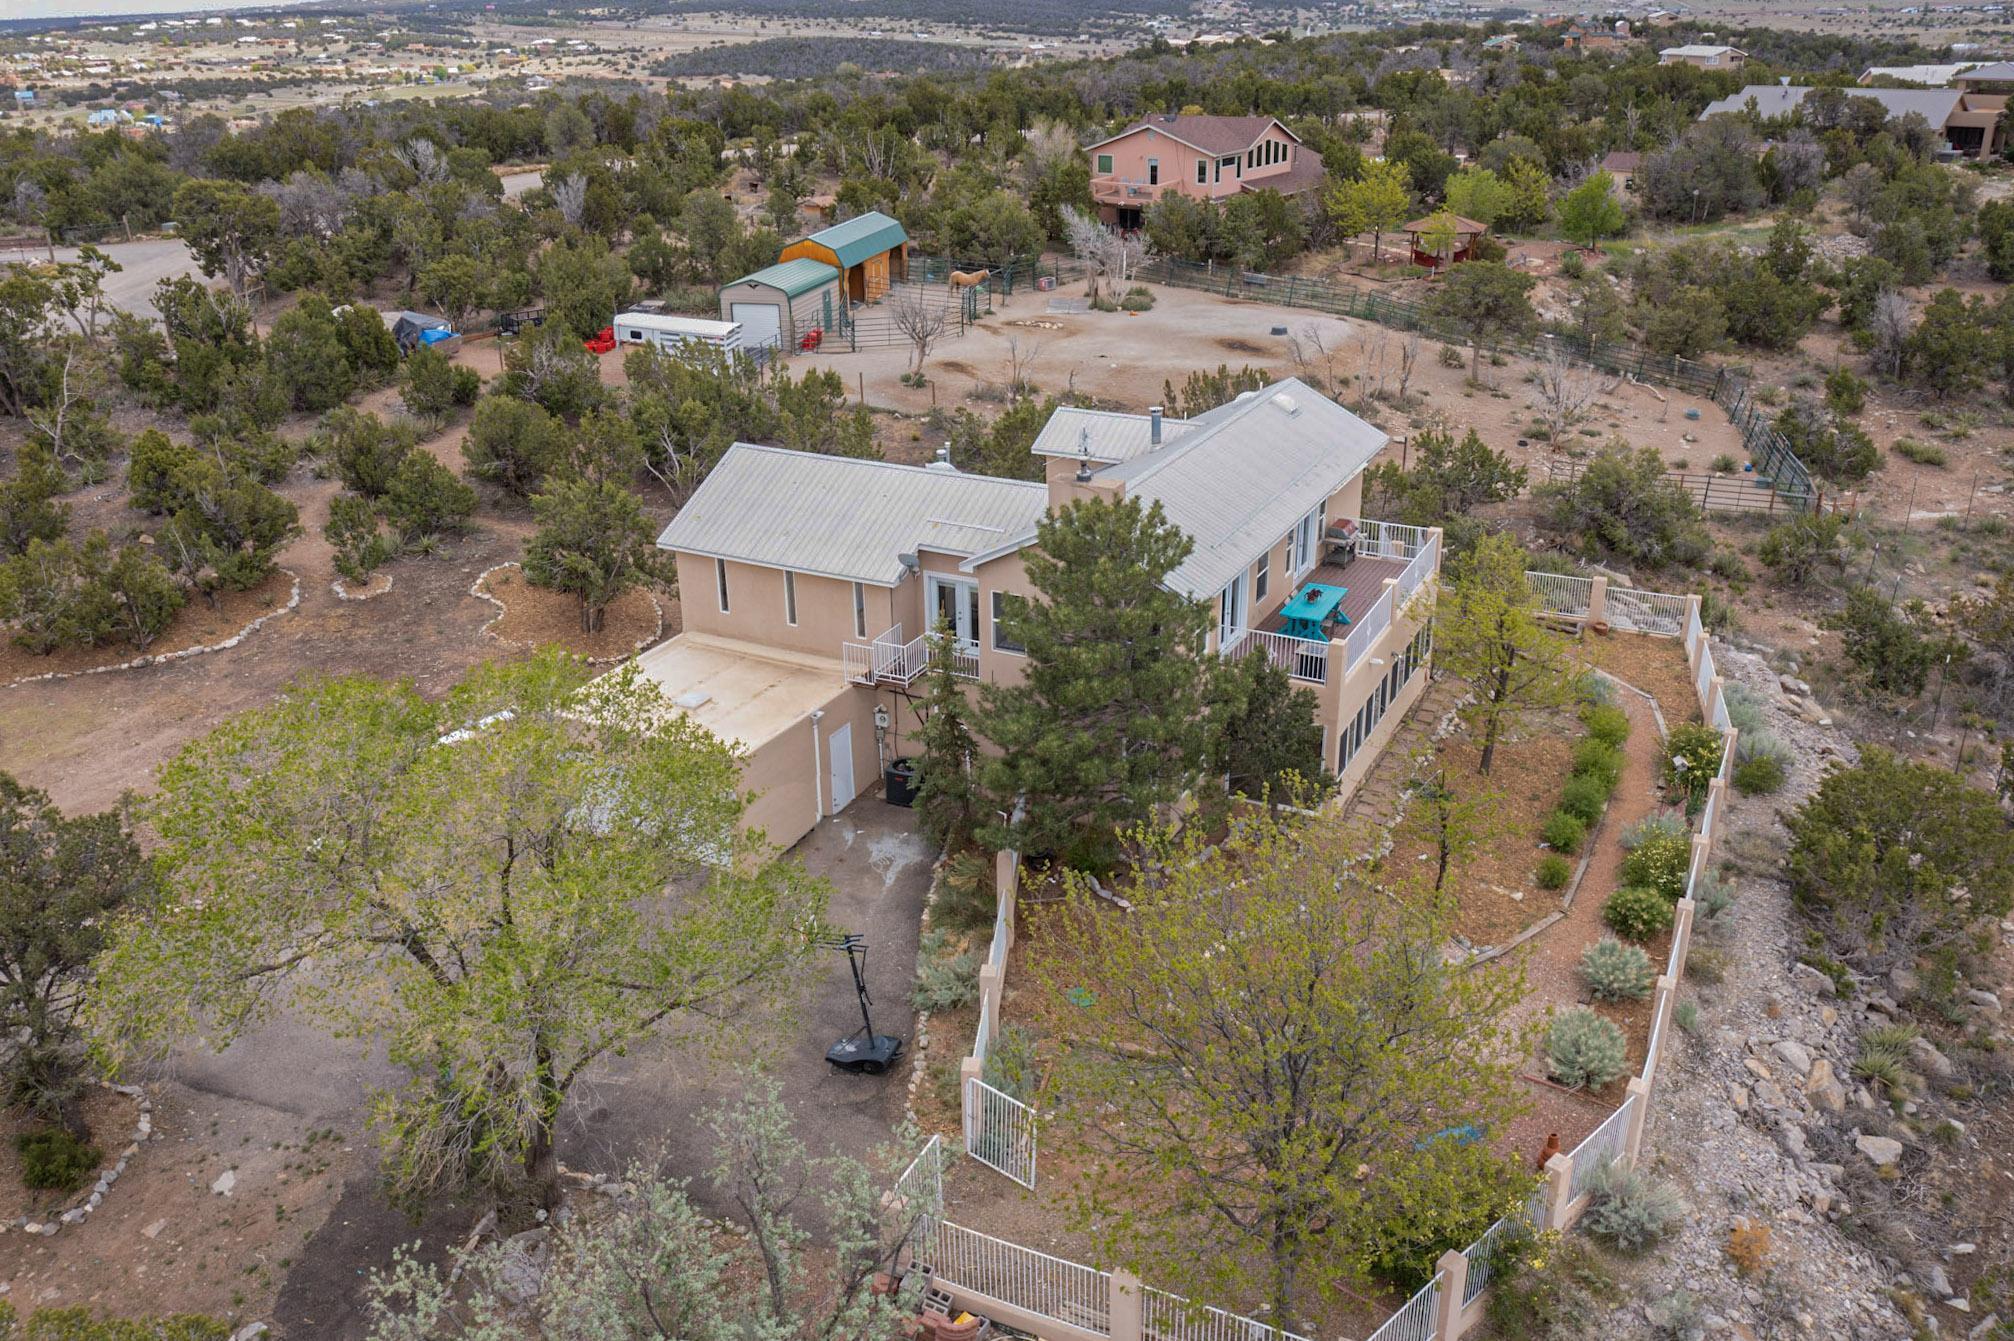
{"x": 144, "y": 264}
{"x": 516, "y": 184}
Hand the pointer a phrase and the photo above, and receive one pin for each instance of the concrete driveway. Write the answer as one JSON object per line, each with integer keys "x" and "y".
{"x": 651, "y": 1100}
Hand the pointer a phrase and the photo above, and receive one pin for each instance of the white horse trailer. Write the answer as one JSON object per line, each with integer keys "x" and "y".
{"x": 671, "y": 333}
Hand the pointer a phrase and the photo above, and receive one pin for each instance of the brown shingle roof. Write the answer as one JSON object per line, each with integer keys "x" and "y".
{"x": 1211, "y": 134}
{"x": 1305, "y": 173}
{"x": 1462, "y": 225}
{"x": 1622, "y": 161}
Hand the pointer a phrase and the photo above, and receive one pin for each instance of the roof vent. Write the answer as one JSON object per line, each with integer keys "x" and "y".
{"x": 1244, "y": 396}
{"x": 693, "y": 698}
{"x": 1287, "y": 403}
{"x": 943, "y": 461}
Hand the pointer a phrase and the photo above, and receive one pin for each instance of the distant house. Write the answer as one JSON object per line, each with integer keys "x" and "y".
{"x": 1932, "y": 76}
{"x": 1202, "y": 157}
{"x": 107, "y": 116}
{"x": 24, "y": 98}
{"x": 1969, "y": 122}
{"x": 1501, "y": 42}
{"x": 1704, "y": 57}
{"x": 1623, "y": 165}
{"x": 1581, "y": 38}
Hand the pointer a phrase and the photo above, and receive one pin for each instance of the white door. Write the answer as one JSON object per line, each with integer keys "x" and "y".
{"x": 955, "y": 603}
{"x": 839, "y": 746}
{"x": 761, "y": 323}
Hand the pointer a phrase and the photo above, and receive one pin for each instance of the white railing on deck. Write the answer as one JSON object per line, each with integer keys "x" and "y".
{"x": 859, "y": 661}
{"x": 1604, "y": 1143}
{"x": 1302, "y": 658}
{"x": 1390, "y": 540}
{"x": 1420, "y": 569}
{"x": 1693, "y": 630}
{"x": 1170, "y": 1317}
{"x": 1415, "y": 1319}
{"x": 1049, "y": 1287}
{"x": 1364, "y": 634}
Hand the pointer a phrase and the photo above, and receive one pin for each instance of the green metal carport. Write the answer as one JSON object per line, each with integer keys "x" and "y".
{"x": 780, "y": 305}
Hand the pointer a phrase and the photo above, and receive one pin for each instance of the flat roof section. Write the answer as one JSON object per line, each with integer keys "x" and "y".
{"x": 743, "y": 694}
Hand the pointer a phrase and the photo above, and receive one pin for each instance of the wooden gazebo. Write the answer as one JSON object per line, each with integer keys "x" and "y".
{"x": 1427, "y": 252}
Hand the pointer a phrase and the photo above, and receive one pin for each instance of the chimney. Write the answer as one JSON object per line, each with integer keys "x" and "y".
{"x": 1154, "y": 425}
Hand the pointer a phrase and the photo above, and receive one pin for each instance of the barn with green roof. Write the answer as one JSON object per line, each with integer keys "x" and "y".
{"x": 870, "y": 252}
{"x": 781, "y": 305}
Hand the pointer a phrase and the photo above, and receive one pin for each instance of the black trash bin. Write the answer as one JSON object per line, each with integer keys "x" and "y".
{"x": 900, "y": 778}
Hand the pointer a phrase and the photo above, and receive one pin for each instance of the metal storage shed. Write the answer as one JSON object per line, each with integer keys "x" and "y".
{"x": 870, "y": 252}
{"x": 783, "y": 304}
{"x": 412, "y": 329}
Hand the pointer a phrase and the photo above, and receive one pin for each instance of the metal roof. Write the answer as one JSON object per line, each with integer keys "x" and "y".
{"x": 1105, "y": 436}
{"x": 860, "y": 237}
{"x": 1239, "y": 484}
{"x": 1935, "y": 75}
{"x": 793, "y": 277}
{"x": 844, "y": 517}
{"x": 1935, "y": 105}
{"x": 2000, "y": 73}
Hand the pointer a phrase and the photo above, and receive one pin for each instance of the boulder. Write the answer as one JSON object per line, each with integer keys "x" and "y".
{"x": 1986, "y": 1001}
{"x": 1812, "y": 980}
{"x": 1931, "y": 1061}
{"x": 522, "y": 1263}
{"x": 1793, "y": 1055}
{"x": 1881, "y": 1151}
{"x": 1903, "y": 983}
{"x": 1824, "y": 1089}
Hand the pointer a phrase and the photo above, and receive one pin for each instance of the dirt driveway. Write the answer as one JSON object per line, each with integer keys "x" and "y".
{"x": 654, "y": 1098}
{"x": 1123, "y": 359}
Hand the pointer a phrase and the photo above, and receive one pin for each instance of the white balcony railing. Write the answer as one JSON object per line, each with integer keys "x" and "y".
{"x": 1302, "y": 658}
{"x": 890, "y": 658}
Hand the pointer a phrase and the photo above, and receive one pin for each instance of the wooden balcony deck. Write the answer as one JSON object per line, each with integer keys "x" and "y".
{"x": 1365, "y": 579}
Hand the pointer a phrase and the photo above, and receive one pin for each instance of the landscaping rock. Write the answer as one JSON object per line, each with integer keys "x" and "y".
{"x": 1881, "y": 1151}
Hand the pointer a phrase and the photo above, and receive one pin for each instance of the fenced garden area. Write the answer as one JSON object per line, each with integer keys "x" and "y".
{"x": 1621, "y": 998}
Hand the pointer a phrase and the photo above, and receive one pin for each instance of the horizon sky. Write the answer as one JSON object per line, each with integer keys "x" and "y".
{"x": 122, "y": 9}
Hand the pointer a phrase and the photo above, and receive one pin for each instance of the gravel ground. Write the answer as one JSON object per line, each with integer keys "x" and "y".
{"x": 1745, "y": 1096}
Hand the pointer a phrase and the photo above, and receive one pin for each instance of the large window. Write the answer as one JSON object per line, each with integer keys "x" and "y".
{"x": 720, "y": 582}
{"x": 1404, "y": 666}
{"x": 1230, "y": 613}
{"x": 1306, "y": 541}
{"x": 1001, "y": 642}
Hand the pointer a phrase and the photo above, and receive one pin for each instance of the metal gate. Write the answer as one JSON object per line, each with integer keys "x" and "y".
{"x": 1646, "y": 611}
{"x": 1000, "y": 1132}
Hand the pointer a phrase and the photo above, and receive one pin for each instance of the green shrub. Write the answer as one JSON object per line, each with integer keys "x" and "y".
{"x": 1686, "y": 1016}
{"x": 1546, "y": 1287}
{"x": 1103, "y": 304}
{"x": 1637, "y": 913}
{"x": 965, "y": 897}
{"x": 1583, "y": 798}
{"x": 1553, "y": 871}
{"x": 1711, "y": 897}
{"x": 1616, "y": 972}
{"x": 1584, "y": 1051}
{"x": 1690, "y": 763}
{"x": 1606, "y": 723}
{"x": 1922, "y": 453}
{"x": 1725, "y": 464}
{"x": 1139, "y": 298}
{"x": 1884, "y": 1064}
{"x": 1708, "y": 963}
{"x": 1600, "y": 760}
{"x": 1660, "y": 862}
{"x": 1650, "y": 827}
{"x": 1756, "y": 777}
{"x": 945, "y": 979}
{"x": 1010, "y": 1063}
{"x": 1564, "y": 832}
{"x": 1628, "y": 1209}
{"x": 54, "y": 1160}
{"x": 1744, "y": 709}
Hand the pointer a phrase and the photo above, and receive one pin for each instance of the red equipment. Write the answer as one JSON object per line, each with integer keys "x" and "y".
{"x": 601, "y": 341}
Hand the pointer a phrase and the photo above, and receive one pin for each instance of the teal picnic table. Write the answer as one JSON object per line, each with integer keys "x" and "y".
{"x": 1308, "y": 614}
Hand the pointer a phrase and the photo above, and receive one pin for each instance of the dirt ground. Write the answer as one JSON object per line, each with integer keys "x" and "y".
{"x": 1123, "y": 359}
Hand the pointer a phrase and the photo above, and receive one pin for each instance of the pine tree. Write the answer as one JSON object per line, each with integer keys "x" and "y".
{"x": 1109, "y": 721}
{"x": 1266, "y": 737}
{"x": 947, "y": 800}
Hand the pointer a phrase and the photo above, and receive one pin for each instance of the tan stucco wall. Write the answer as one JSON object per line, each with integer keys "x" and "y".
{"x": 1178, "y": 163}
{"x": 756, "y": 606}
{"x": 790, "y": 790}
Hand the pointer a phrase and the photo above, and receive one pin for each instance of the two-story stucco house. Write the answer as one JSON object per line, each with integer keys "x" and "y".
{"x": 810, "y": 585}
{"x": 1204, "y": 157}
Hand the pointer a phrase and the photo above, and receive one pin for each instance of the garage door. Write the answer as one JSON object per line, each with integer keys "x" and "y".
{"x": 761, "y": 323}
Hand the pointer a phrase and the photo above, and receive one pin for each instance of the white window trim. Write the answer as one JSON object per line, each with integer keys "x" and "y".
{"x": 720, "y": 584}
{"x": 1234, "y": 593}
{"x": 996, "y": 604}
{"x": 1262, "y": 581}
{"x": 790, "y": 598}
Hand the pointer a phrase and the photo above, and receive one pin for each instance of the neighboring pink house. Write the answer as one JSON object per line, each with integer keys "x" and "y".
{"x": 1203, "y": 157}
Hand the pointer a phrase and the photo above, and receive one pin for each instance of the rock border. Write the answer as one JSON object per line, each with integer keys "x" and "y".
{"x": 343, "y": 593}
{"x": 489, "y": 629}
{"x": 293, "y": 602}
{"x": 143, "y": 1131}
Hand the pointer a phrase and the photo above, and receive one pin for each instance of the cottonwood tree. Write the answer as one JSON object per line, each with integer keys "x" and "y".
{"x": 920, "y": 318}
{"x": 1108, "y": 722}
{"x": 61, "y": 879}
{"x": 1591, "y": 212}
{"x": 1566, "y": 393}
{"x": 503, "y": 888}
{"x": 1271, "y": 1037}
{"x": 656, "y": 1266}
{"x": 1375, "y": 202}
{"x": 1487, "y": 632}
{"x": 1109, "y": 256}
